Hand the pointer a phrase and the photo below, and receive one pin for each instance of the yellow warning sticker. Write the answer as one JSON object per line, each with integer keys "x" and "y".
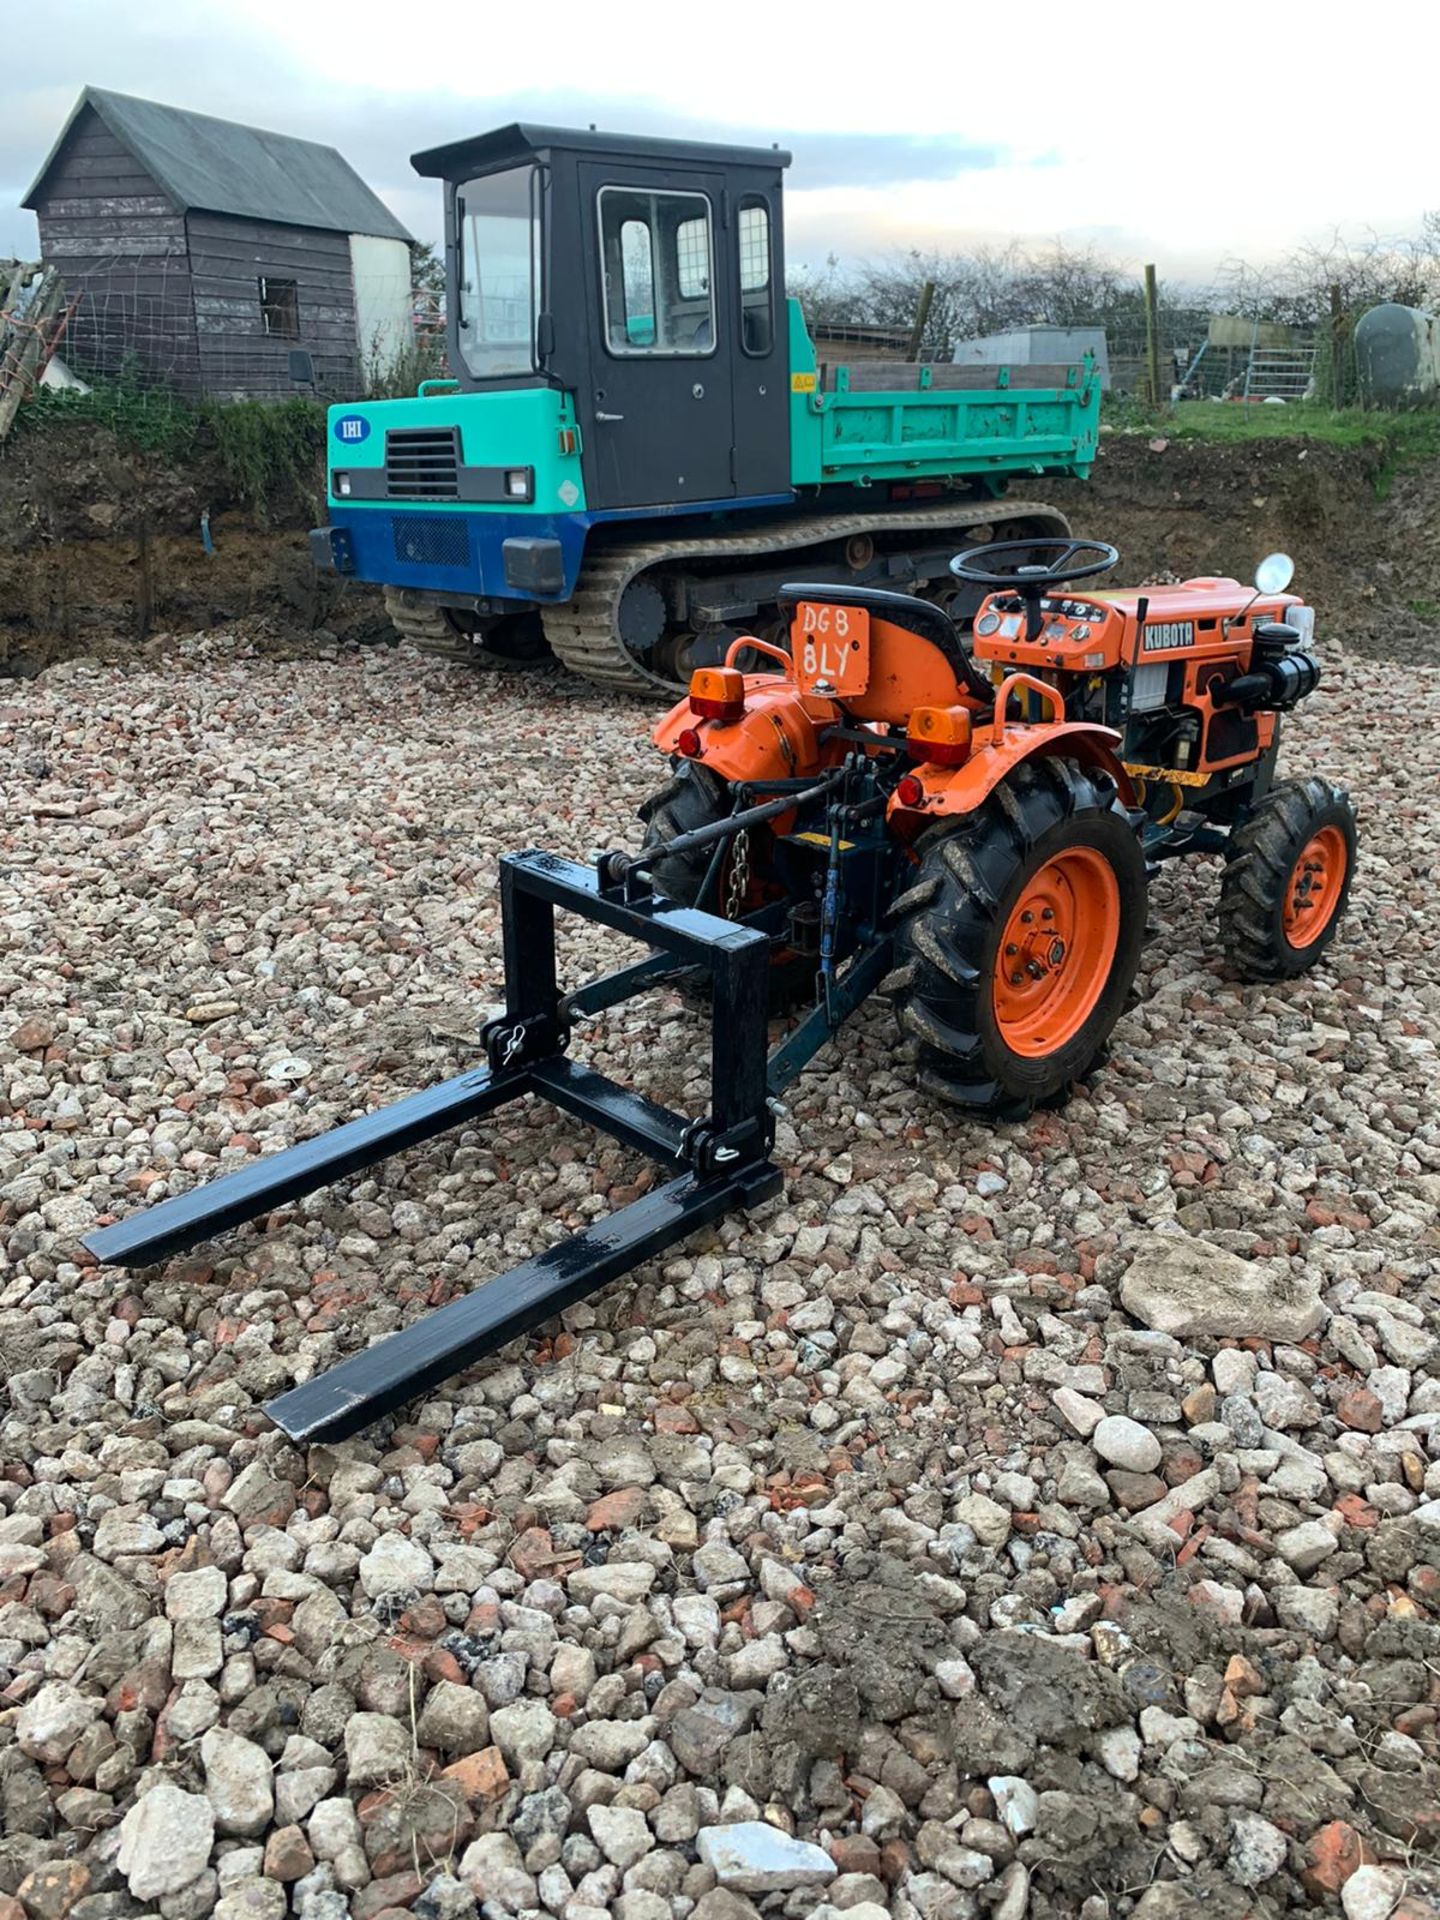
{"x": 802, "y": 383}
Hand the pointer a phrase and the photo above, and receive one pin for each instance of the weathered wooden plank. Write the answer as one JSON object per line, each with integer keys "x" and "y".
{"x": 304, "y": 272}
{"x": 239, "y": 298}
{"x": 250, "y": 273}
{"x": 227, "y": 273}
{"x": 67, "y": 246}
{"x": 99, "y": 281}
{"x": 99, "y": 228}
{"x": 216, "y": 230}
{"x": 98, "y": 205}
{"x": 91, "y": 135}
{"x": 73, "y": 167}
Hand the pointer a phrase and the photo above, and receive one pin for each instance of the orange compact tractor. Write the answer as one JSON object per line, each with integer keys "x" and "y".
{"x": 995, "y": 809}
{"x": 969, "y": 827}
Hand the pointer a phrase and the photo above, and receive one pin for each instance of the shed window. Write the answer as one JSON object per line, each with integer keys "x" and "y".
{"x": 757, "y": 314}
{"x": 280, "y": 308}
{"x": 657, "y": 259}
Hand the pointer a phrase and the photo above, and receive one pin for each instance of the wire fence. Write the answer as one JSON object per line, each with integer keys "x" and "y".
{"x": 156, "y": 330}
{"x": 164, "y": 334}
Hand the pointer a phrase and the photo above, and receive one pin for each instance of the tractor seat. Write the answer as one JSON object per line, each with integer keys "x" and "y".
{"x": 920, "y": 617}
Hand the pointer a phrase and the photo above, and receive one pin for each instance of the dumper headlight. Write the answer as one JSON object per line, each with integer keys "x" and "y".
{"x": 340, "y": 485}
{"x": 517, "y": 483}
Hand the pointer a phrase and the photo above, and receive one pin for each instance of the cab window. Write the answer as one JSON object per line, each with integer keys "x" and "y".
{"x": 657, "y": 256}
{"x": 757, "y": 308}
{"x": 498, "y": 222}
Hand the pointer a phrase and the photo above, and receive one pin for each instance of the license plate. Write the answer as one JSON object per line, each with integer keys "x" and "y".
{"x": 831, "y": 646}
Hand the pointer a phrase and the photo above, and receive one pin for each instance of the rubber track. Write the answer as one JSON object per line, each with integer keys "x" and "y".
{"x": 584, "y": 634}
{"x": 427, "y": 628}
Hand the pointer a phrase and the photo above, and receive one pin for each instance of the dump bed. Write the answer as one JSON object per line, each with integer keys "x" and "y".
{"x": 888, "y": 420}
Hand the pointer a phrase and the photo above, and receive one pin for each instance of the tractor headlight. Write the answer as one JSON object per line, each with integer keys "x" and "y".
{"x": 1302, "y": 619}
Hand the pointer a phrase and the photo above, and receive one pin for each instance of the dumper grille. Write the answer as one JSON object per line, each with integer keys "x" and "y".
{"x": 431, "y": 540}
{"x": 422, "y": 463}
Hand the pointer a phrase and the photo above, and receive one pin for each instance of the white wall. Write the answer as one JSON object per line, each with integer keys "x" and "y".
{"x": 386, "y": 328}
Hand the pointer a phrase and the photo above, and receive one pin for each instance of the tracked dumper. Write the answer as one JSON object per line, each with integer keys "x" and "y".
{"x": 640, "y": 444}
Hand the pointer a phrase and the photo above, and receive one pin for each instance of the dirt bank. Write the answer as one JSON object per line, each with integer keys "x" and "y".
{"x": 101, "y": 547}
{"x": 102, "y": 552}
{"x": 1183, "y": 507}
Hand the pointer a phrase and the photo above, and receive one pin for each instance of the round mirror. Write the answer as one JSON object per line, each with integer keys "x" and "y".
{"x": 1274, "y": 573}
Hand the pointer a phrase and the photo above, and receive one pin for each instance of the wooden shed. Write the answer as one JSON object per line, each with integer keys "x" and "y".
{"x": 208, "y": 255}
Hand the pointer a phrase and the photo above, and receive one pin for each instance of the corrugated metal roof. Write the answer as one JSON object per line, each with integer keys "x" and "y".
{"x": 219, "y": 166}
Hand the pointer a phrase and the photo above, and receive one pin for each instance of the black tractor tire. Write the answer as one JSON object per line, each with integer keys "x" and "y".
{"x": 1288, "y": 869}
{"x": 694, "y": 797}
{"x": 1050, "y": 817}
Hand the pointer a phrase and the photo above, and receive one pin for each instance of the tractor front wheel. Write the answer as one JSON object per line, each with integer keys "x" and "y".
{"x": 1288, "y": 869}
{"x": 1019, "y": 939}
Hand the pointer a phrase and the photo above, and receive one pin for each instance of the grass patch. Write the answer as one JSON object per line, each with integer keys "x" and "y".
{"x": 144, "y": 419}
{"x": 1401, "y": 440}
{"x": 272, "y": 452}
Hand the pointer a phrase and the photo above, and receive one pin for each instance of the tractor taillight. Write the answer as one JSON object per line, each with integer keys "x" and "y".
{"x": 910, "y": 791}
{"x": 940, "y": 735}
{"x": 689, "y": 743}
{"x": 717, "y": 693}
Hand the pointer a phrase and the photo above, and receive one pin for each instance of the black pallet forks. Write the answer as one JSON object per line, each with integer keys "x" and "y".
{"x": 719, "y": 1163}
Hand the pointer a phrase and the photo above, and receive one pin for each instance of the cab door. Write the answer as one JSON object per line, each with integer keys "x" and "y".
{"x": 657, "y": 423}
{"x": 762, "y": 362}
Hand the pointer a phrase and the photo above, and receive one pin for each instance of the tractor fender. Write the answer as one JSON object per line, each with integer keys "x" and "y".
{"x": 949, "y": 791}
{"x": 776, "y": 738}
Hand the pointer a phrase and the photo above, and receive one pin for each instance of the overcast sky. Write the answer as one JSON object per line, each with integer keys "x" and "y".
{"x": 1162, "y": 133}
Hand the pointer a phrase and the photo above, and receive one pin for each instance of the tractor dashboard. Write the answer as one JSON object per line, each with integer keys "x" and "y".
{"x": 1093, "y": 633}
{"x": 1077, "y": 635}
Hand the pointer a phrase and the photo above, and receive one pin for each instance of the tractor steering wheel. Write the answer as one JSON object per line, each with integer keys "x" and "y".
{"x": 983, "y": 567}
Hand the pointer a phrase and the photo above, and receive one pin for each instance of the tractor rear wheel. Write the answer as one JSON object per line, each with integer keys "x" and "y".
{"x": 1019, "y": 939}
{"x": 694, "y": 797}
{"x": 1288, "y": 869}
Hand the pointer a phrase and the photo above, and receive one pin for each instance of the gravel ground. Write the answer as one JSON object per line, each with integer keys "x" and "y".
{"x": 1036, "y": 1519}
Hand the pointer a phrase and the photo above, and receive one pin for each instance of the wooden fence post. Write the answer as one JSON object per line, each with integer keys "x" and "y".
{"x": 922, "y": 318}
{"x": 1337, "y": 348}
{"x": 1152, "y": 337}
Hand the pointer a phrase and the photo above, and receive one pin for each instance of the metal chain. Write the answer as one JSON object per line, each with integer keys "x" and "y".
{"x": 737, "y": 885}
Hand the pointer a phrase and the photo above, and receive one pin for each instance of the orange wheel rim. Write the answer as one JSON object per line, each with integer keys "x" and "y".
{"x": 1057, "y": 951}
{"x": 1312, "y": 893}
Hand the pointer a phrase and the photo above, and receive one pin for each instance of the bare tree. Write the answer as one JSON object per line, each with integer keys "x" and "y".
{"x": 988, "y": 290}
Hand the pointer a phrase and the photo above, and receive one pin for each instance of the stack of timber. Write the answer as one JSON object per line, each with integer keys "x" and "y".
{"x": 32, "y": 319}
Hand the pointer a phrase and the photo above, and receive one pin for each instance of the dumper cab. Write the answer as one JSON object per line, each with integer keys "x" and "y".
{"x": 618, "y": 341}
{"x": 637, "y": 443}
{"x": 640, "y": 277}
